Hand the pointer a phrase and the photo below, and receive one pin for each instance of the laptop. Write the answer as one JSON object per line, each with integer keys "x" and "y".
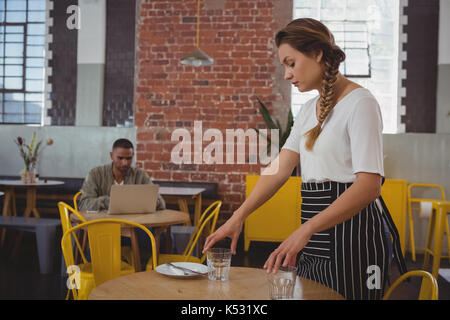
{"x": 133, "y": 198}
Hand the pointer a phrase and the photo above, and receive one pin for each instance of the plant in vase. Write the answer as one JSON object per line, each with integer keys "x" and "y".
{"x": 30, "y": 154}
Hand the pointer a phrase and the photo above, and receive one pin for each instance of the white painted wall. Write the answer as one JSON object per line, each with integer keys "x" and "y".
{"x": 444, "y": 28}
{"x": 92, "y": 34}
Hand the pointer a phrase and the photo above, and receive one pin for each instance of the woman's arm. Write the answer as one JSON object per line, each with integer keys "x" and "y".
{"x": 273, "y": 177}
{"x": 365, "y": 189}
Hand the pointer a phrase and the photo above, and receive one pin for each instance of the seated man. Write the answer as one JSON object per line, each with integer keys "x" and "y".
{"x": 97, "y": 185}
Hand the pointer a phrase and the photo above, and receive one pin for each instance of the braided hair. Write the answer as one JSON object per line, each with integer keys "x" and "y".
{"x": 309, "y": 36}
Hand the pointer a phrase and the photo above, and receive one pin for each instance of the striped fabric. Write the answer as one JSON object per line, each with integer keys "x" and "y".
{"x": 343, "y": 257}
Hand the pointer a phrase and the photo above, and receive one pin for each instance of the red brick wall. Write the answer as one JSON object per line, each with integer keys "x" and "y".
{"x": 238, "y": 35}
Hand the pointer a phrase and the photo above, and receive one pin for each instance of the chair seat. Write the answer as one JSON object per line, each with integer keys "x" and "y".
{"x": 87, "y": 283}
{"x": 165, "y": 258}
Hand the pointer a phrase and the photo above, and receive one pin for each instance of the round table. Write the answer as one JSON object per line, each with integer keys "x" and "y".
{"x": 159, "y": 221}
{"x": 31, "y": 188}
{"x": 243, "y": 284}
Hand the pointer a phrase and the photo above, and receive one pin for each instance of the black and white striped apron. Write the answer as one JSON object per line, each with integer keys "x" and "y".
{"x": 345, "y": 256}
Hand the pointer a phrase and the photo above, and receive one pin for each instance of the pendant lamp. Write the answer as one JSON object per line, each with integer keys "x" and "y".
{"x": 197, "y": 57}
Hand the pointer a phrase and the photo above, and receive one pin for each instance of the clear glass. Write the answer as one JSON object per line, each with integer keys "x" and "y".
{"x": 219, "y": 262}
{"x": 282, "y": 283}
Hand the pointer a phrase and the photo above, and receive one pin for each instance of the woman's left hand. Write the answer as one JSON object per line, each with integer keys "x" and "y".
{"x": 288, "y": 250}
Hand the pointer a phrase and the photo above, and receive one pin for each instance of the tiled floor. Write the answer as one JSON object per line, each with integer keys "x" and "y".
{"x": 20, "y": 277}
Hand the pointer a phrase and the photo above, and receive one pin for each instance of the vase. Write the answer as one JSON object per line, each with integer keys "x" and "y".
{"x": 28, "y": 177}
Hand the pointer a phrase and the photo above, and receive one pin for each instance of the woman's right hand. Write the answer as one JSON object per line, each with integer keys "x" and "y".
{"x": 231, "y": 229}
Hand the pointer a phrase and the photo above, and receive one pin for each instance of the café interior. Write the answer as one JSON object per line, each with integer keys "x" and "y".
{"x": 77, "y": 75}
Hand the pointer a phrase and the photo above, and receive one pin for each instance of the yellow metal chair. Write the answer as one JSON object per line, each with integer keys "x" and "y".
{"x": 104, "y": 243}
{"x": 207, "y": 222}
{"x": 428, "y": 289}
{"x": 412, "y": 201}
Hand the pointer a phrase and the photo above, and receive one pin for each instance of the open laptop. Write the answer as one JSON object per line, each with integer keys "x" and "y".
{"x": 133, "y": 198}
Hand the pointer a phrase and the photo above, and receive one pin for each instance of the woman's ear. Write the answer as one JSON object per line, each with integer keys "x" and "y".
{"x": 318, "y": 56}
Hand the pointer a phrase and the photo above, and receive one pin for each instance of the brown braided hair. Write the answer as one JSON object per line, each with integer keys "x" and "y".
{"x": 309, "y": 36}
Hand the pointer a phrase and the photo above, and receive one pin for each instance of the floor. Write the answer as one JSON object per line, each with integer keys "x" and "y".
{"x": 20, "y": 277}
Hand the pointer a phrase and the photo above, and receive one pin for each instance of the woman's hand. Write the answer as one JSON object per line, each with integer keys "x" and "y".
{"x": 231, "y": 229}
{"x": 288, "y": 250}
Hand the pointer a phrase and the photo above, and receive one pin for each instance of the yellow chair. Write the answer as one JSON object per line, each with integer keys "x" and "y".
{"x": 412, "y": 201}
{"x": 75, "y": 199}
{"x": 206, "y": 222}
{"x": 104, "y": 243}
{"x": 428, "y": 289}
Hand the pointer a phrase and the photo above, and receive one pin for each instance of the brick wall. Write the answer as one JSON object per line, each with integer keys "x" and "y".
{"x": 64, "y": 66}
{"x": 238, "y": 35}
{"x": 119, "y": 62}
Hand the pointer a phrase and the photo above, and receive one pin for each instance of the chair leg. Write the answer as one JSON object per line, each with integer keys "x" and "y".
{"x": 411, "y": 235}
{"x": 447, "y": 231}
{"x": 430, "y": 233}
{"x": 438, "y": 239}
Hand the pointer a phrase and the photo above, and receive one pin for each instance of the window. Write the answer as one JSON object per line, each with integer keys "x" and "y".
{"x": 367, "y": 31}
{"x": 22, "y": 60}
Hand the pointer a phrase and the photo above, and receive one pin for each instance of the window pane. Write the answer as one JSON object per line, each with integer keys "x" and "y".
{"x": 16, "y": 5}
{"x": 13, "y": 83}
{"x": 33, "y": 107}
{"x": 34, "y": 85}
{"x": 14, "y": 29}
{"x": 2, "y": 16}
{"x": 13, "y": 71}
{"x": 36, "y": 40}
{"x": 35, "y": 62}
{"x": 35, "y": 51}
{"x": 13, "y": 118}
{"x": 17, "y": 96}
{"x": 36, "y": 16}
{"x": 16, "y": 16}
{"x": 33, "y": 118}
{"x": 14, "y": 37}
{"x": 13, "y": 49}
{"x": 13, "y": 106}
{"x": 36, "y": 29}
{"x": 38, "y": 97}
{"x": 36, "y": 5}
{"x": 14, "y": 61}
{"x": 35, "y": 73}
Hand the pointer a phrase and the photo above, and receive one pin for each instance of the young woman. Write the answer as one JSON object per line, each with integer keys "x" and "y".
{"x": 337, "y": 137}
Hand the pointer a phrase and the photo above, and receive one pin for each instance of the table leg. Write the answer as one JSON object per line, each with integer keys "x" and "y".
{"x": 9, "y": 193}
{"x": 136, "y": 252}
{"x": 31, "y": 203}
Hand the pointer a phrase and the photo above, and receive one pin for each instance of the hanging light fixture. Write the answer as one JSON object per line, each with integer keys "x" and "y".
{"x": 197, "y": 57}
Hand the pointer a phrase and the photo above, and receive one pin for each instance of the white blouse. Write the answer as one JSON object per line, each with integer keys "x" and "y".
{"x": 351, "y": 140}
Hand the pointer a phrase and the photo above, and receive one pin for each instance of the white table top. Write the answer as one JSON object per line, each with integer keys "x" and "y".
{"x": 40, "y": 183}
{"x": 1, "y": 193}
{"x": 180, "y": 191}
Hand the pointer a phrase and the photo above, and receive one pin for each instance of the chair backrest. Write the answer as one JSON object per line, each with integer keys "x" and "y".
{"x": 424, "y": 185}
{"x": 105, "y": 247}
{"x": 64, "y": 213}
{"x": 428, "y": 289}
{"x": 75, "y": 199}
{"x": 210, "y": 215}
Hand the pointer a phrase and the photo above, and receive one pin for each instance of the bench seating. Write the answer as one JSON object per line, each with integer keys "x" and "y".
{"x": 45, "y": 230}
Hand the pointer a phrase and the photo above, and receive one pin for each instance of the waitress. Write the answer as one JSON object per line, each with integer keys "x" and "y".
{"x": 337, "y": 138}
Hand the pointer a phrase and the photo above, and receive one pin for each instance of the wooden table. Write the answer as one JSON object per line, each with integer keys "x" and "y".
{"x": 159, "y": 220}
{"x": 9, "y": 204}
{"x": 243, "y": 284}
{"x": 182, "y": 195}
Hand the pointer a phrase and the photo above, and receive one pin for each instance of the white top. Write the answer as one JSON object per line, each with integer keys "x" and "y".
{"x": 351, "y": 140}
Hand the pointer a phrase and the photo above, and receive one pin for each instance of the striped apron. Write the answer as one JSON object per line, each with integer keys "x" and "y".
{"x": 350, "y": 256}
